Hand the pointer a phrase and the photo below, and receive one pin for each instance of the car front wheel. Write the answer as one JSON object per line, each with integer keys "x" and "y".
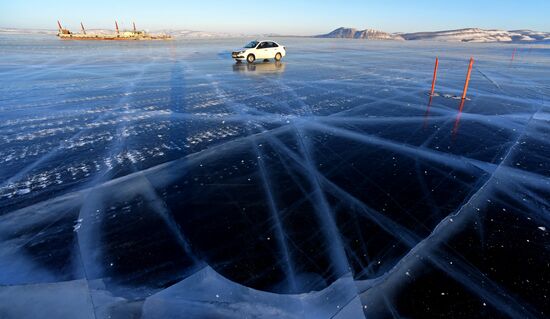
{"x": 278, "y": 57}
{"x": 250, "y": 58}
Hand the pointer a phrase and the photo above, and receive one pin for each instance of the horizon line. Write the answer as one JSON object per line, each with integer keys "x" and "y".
{"x": 275, "y": 33}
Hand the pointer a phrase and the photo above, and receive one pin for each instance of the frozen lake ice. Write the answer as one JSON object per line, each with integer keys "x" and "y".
{"x": 162, "y": 180}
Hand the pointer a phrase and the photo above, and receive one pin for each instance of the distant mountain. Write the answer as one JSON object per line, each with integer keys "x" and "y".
{"x": 461, "y": 35}
{"x": 368, "y": 34}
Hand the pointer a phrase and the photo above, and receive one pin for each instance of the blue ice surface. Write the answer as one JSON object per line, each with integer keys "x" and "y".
{"x": 162, "y": 179}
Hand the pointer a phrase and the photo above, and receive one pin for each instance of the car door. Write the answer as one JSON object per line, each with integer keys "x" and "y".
{"x": 273, "y": 49}
{"x": 263, "y": 50}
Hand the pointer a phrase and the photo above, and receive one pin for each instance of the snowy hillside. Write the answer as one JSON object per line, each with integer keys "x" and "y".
{"x": 26, "y": 31}
{"x": 479, "y": 35}
{"x": 461, "y": 35}
{"x": 190, "y": 34}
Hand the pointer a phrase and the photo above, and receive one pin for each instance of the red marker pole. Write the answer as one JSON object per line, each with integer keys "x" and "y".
{"x": 514, "y": 54}
{"x": 435, "y": 76}
{"x": 468, "y": 78}
{"x": 457, "y": 121}
{"x": 427, "y": 114}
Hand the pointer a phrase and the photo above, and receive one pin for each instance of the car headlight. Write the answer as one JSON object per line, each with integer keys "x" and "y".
{"x": 242, "y": 52}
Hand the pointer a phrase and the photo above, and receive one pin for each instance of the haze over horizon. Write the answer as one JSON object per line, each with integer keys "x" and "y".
{"x": 285, "y": 17}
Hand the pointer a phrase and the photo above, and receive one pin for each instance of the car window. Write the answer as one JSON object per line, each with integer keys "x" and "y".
{"x": 274, "y": 45}
{"x": 263, "y": 45}
{"x": 251, "y": 45}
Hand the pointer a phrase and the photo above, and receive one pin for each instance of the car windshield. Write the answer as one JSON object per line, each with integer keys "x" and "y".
{"x": 252, "y": 44}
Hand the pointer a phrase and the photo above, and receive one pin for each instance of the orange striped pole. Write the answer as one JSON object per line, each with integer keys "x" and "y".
{"x": 514, "y": 54}
{"x": 468, "y": 78}
{"x": 435, "y": 76}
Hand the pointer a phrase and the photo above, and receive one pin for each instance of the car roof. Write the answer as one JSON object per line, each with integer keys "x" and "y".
{"x": 259, "y": 41}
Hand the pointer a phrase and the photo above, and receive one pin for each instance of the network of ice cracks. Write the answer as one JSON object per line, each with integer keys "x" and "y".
{"x": 113, "y": 159}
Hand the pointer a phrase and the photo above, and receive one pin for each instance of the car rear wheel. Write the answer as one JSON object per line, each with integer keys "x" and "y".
{"x": 250, "y": 58}
{"x": 278, "y": 57}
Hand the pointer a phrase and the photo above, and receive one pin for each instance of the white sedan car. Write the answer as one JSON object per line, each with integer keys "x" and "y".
{"x": 260, "y": 50}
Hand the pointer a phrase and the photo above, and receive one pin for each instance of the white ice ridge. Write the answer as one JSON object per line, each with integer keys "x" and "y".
{"x": 206, "y": 294}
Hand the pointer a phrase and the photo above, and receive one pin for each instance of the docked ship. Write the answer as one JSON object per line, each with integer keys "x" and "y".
{"x": 134, "y": 34}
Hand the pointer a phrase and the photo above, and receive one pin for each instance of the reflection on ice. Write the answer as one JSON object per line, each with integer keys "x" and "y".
{"x": 260, "y": 67}
{"x": 173, "y": 186}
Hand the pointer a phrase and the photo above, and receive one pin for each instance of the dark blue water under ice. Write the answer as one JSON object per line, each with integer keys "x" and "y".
{"x": 162, "y": 180}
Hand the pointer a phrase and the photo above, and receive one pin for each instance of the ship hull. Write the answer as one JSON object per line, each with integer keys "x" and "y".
{"x": 66, "y": 34}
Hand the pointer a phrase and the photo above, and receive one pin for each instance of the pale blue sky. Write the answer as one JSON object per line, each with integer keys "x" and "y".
{"x": 280, "y": 16}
